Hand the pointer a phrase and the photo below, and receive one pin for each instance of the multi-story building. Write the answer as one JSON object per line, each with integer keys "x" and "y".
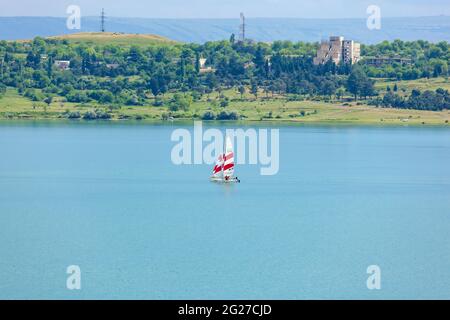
{"x": 351, "y": 51}
{"x": 338, "y": 50}
{"x": 380, "y": 61}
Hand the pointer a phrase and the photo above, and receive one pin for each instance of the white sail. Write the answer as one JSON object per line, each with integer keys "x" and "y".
{"x": 228, "y": 160}
{"x": 217, "y": 173}
{"x": 223, "y": 170}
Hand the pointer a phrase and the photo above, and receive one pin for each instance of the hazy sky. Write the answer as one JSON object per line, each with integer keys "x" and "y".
{"x": 227, "y": 8}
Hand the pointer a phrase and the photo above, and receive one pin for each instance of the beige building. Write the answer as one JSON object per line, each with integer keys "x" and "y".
{"x": 337, "y": 49}
{"x": 351, "y": 51}
{"x": 203, "y": 67}
{"x": 62, "y": 64}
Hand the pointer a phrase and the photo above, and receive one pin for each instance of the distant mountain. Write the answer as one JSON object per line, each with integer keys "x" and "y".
{"x": 261, "y": 29}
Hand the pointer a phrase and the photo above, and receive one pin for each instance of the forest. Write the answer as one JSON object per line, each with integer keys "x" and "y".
{"x": 115, "y": 75}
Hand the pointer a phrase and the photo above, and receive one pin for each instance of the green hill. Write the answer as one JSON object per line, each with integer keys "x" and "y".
{"x": 116, "y": 38}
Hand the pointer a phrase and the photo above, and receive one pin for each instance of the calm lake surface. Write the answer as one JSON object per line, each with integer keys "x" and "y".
{"x": 106, "y": 197}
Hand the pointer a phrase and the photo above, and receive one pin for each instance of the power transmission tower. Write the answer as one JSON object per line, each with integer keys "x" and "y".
{"x": 103, "y": 20}
{"x": 242, "y": 28}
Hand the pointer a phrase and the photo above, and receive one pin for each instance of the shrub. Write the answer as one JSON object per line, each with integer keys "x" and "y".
{"x": 228, "y": 115}
{"x": 209, "y": 115}
{"x": 196, "y": 96}
{"x": 97, "y": 114}
{"x": 73, "y": 115}
{"x": 158, "y": 102}
{"x": 180, "y": 102}
{"x": 133, "y": 100}
{"x": 224, "y": 102}
{"x": 102, "y": 96}
{"x": 34, "y": 95}
{"x": 89, "y": 115}
{"x": 294, "y": 97}
{"x": 124, "y": 116}
{"x": 102, "y": 115}
{"x": 77, "y": 96}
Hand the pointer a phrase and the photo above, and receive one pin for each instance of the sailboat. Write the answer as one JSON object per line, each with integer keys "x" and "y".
{"x": 223, "y": 170}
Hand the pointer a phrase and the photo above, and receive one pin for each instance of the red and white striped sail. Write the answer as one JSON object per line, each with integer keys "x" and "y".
{"x": 228, "y": 160}
{"x": 224, "y": 167}
{"x": 218, "y": 168}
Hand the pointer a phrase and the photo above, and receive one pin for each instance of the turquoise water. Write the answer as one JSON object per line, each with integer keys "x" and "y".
{"x": 106, "y": 197}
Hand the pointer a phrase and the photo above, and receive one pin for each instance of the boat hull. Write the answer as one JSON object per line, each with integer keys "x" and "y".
{"x": 219, "y": 180}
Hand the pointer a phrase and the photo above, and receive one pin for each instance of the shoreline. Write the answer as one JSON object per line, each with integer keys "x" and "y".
{"x": 282, "y": 122}
{"x": 246, "y": 109}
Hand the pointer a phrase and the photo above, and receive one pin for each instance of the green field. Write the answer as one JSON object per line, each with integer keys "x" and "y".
{"x": 276, "y": 108}
{"x": 114, "y": 38}
{"x": 406, "y": 86}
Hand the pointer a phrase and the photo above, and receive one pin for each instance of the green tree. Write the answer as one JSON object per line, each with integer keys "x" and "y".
{"x": 356, "y": 81}
{"x": 48, "y": 100}
{"x": 233, "y": 38}
{"x": 241, "y": 90}
{"x": 367, "y": 88}
{"x": 180, "y": 102}
{"x": 327, "y": 88}
{"x": 340, "y": 93}
{"x": 254, "y": 89}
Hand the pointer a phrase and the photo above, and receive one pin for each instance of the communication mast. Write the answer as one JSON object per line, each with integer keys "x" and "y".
{"x": 242, "y": 28}
{"x": 103, "y": 20}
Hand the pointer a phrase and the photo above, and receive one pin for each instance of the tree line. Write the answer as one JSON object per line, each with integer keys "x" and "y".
{"x": 116, "y": 75}
{"x": 427, "y": 59}
{"x": 427, "y": 100}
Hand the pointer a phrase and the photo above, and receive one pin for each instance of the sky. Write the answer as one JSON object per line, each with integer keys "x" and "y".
{"x": 227, "y": 8}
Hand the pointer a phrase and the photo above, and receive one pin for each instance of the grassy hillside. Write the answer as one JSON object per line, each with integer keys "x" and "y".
{"x": 277, "y": 108}
{"x": 142, "y": 86}
{"x": 114, "y": 38}
{"x": 406, "y": 86}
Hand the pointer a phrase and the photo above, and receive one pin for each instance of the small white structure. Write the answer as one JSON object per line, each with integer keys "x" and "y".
{"x": 62, "y": 64}
{"x": 112, "y": 65}
{"x": 202, "y": 62}
{"x": 203, "y": 68}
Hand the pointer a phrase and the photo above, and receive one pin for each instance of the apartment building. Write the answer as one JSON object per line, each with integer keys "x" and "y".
{"x": 338, "y": 50}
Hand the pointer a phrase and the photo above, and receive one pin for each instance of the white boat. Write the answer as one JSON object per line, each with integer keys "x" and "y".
{"x": 223, "y": 170}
